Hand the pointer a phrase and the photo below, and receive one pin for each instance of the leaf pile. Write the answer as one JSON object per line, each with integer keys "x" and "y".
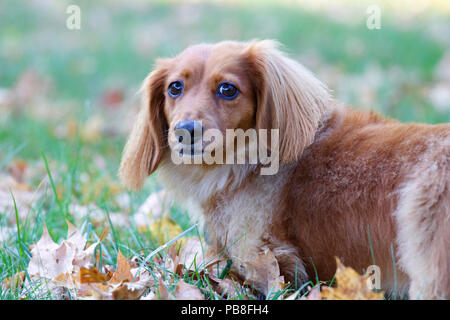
{"x": 185, "y": 271}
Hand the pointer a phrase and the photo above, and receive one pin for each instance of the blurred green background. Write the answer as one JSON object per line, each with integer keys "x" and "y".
{"x": 70, "y": 95}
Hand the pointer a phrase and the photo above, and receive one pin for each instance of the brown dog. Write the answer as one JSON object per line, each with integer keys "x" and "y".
{"x": 350, "y": 183}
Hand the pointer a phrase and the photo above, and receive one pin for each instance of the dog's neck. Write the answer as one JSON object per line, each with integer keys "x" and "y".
{"x": 195, "y": 186}
{"x": 200, "y": 182}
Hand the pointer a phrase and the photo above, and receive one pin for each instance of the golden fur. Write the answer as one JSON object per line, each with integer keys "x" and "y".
{"x": 351, "y": 183}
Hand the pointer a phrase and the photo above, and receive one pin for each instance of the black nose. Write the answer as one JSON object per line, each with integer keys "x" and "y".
{"x": 194, "y": 128}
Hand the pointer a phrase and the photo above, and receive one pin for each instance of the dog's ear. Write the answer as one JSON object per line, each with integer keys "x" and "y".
{"x": 288, "y": 97}
{"x": 144, "y": 148}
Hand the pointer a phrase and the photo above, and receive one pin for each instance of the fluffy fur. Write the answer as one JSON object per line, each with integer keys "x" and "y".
{"x": 351, "y": 184}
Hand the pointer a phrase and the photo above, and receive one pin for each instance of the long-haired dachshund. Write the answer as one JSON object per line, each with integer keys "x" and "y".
{"x": 350, "y": 183}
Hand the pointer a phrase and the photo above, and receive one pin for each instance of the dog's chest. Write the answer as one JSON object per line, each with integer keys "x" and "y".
{"x": 237, "y": 219}
{"x": 240, "y": 221}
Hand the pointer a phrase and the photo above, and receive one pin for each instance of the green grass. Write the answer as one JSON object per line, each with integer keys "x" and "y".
{"x": 81, "y": 64}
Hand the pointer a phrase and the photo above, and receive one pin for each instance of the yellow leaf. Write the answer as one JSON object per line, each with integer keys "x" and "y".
{"x": 350, "y": 286}
{"x": 164, "y": 229}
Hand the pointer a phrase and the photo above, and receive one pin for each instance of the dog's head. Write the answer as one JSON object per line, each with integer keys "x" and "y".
{"x": 229, "y": 85}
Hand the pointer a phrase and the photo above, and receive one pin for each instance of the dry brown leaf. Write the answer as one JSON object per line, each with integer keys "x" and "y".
{"x": 224, "y": 287}
{"x": 191, "y": 253}
{"x": 66, "y": 280}
{"x": 17, "y": 170}
{"x": 186, "y": 291}
{"x": 128, "y": 291}
{"x": 162, "y": 292}
{"x": 123, "y": 272}
{"x": 350, "y": 286}
{"x": 89, "y": 275}
{"x": 23, "y": 195}
{"x": 15, "y": 281}
{"x": 50, "y": 259}
{"x": 94, "y": 291}
{"x": 57, "y": 266}
{"x": 263, "y": 272}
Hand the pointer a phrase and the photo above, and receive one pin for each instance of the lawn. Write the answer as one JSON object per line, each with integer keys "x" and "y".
{"x": 68, "y": 99}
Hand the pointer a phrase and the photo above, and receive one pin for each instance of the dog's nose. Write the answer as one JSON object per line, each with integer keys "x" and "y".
{"x": 194, "y": 128}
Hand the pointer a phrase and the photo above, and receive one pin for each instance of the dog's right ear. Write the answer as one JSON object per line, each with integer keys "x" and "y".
{"x": 289, "y": 97}
{"x": 148, "y": 137}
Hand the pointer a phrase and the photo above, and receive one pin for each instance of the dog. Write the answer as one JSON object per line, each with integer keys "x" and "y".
{"x": 350, "y": 184}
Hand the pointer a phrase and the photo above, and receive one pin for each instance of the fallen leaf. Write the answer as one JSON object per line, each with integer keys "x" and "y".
{"x": 128, "y": 291}
{"x": 163, "y": 293}
{"x": 57, "y": 266}
{"x": 123, "y": 271}
{"x": 191, "y": 254}
{"x": 14, "y": 281}
{"x": 186, "y": 291}
{"x": 17, "y": 170}
{"x": 151, "y": 210}
{"x": 350, "y": 286}
{"x": 164, "y": 229}
{"x": 226, "y": 287}
{"x": 91, "y": 275}
{"x": 263, "y": 272}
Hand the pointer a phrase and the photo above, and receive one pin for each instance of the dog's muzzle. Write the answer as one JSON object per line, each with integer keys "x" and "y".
{"x": 189, "y": 134}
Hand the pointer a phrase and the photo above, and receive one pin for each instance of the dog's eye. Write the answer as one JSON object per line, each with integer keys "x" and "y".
{"x": 175, "y": 89}
{"x": 227, "y": 91}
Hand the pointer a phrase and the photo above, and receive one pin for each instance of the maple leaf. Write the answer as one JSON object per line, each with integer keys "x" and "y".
{"x": 57, "y": 265}
{"x": 123, "y": 271}
{"x": 263, "y": 272}
{"x": 46, "y": 257}
{"x": 350, "y": 286}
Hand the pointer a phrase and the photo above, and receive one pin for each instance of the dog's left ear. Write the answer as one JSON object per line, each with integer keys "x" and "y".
{"x": 288, "y": 97}
{"x": 145, "y": 144}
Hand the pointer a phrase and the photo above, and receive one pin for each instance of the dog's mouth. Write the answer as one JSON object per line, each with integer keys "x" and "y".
{"x": 189, "y": 151}
{"x": 195, "y": 149}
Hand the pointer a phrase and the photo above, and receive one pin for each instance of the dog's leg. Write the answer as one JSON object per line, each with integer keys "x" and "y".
{"x": 423, "y": 218}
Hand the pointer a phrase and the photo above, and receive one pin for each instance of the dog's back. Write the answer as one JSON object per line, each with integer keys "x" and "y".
{"x": 373, "y": 192}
